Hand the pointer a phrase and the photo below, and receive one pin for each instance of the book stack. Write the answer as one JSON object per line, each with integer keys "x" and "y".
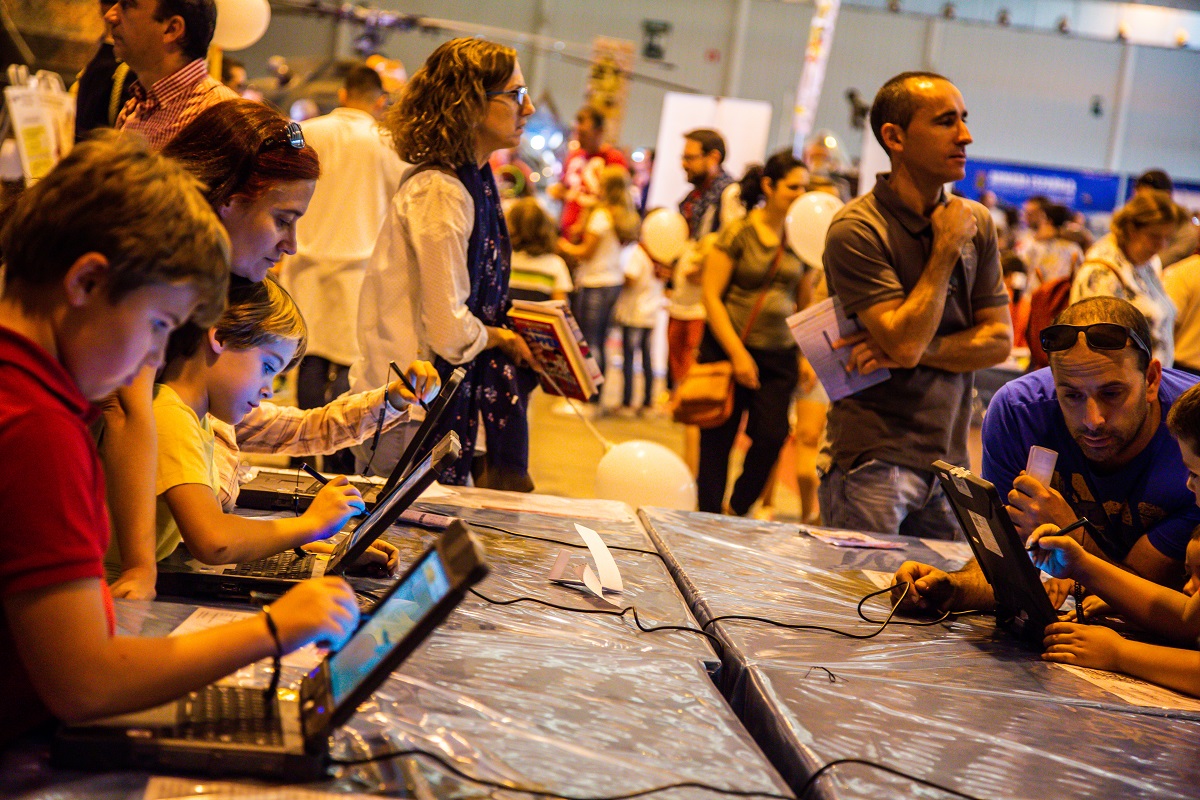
{"x": 555, "y": 339}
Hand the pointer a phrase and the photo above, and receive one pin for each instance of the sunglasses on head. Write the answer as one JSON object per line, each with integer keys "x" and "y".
{"x": 292, "y": 135}
{"x": 1099, "y": 336}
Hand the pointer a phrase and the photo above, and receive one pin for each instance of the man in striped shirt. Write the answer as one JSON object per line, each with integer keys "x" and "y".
{"x": 165, "y": 43}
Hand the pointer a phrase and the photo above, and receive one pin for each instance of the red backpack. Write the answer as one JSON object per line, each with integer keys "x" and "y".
{"x": 1046, "y": 303}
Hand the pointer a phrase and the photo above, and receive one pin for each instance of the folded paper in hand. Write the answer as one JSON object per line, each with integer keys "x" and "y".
{"x": 815, "y": 329}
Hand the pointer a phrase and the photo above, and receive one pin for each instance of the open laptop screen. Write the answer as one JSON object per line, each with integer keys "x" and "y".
{"x": 424, "y": 588}
{"x": 381, "y": 510}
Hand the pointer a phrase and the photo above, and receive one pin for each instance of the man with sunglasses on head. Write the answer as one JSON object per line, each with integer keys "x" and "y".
{"x": 1102, "y": 405}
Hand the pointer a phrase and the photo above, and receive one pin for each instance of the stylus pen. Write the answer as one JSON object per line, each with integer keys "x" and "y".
{"x": 321, "y": 479}
{"x": 1074, "y": 526}
{"x": 407, "y": 385}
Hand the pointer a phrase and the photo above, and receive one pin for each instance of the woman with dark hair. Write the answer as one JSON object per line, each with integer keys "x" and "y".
{"x": 260, "y": 176}
{"x": 752, "y": 282}
{"x": 437, "y": 284}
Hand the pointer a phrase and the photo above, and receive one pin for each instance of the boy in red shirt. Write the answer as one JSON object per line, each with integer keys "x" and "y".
{"x": 102, "y": 258}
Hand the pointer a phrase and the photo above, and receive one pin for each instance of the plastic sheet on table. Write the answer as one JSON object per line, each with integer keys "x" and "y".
{"x": 966, "y": 654}
{"x": 531, "y": 710}
{"x": 980, "y": 744}
{"x": 561, "y": 717}
{"x": 520, "y": 568}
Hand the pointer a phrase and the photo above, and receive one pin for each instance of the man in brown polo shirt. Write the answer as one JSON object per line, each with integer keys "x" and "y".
{"x": 921, "y": 271}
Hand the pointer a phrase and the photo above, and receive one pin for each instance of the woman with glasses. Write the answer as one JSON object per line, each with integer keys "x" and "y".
{"x": 260, "y": 175}
{"x": 1125, "y": 264}
{"x": 436, "y": 286}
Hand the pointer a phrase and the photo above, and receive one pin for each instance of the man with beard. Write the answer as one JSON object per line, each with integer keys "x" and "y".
{"x": 1102, "y": 405}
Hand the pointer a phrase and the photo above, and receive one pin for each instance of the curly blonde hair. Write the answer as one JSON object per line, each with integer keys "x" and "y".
{"x": 437, "y": 118}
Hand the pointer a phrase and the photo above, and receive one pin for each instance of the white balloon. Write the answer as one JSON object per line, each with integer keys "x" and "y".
{"x": 806, "y": 224}
{"x": 664, "y": 234}
{"x": 643, "y": 473}
{"x": 240, "y": 23}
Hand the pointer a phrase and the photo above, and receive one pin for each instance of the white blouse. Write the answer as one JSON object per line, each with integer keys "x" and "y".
{"x": 414, "y": 294}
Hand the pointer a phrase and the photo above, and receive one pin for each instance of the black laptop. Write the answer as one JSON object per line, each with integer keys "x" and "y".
{"x": 248, "y": 731}
{"x": 274, "y": 489}
{"x": 182, "y": 576}
{"x": 1022, "y": 605}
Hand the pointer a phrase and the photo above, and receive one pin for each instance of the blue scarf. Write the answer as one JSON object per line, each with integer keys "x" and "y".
{"x": 494, "y": 389}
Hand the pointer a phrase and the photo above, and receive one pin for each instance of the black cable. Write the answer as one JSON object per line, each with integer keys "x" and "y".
{"x": 578, "y": 545}
{"x": 507, "y": 786}
{"x": 808, "y": 784}
{"x": 605, "y": 612}
{"x": 827, "y": 629}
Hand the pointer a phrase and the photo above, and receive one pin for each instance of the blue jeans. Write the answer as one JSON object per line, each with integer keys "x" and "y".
{"x": 593, "y": 307}
{"x": 633, "y": 339}
{"x": 879, "y": 497}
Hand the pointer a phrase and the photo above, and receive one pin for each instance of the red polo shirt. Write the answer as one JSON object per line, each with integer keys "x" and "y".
{"x": 53, "y": 517}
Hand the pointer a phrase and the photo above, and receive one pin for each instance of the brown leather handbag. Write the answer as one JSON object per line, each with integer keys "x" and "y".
{"x": 705, "y": 396}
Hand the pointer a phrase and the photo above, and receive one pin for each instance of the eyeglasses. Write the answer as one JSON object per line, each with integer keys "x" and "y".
{"x": 292, "y": 135}
{"x": 520, "y": 94}
{"x": 1099, "y": 336}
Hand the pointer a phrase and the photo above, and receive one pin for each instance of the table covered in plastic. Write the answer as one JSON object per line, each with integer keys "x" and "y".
{"x": 959, "y": 702}
{"x": 579, "y": 704}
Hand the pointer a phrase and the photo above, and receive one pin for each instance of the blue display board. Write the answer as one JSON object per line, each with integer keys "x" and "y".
{"x": 1015, "y": 183}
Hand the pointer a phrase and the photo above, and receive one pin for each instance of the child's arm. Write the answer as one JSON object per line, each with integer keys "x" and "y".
{"x": 1103, "y": 648}
{"x": 1152, "y": 607}
{"x": 346, "y": 421}
{"x": 81, "y": 673}
{"x": 214, "y": 537}
{"x": 129, "y": 453}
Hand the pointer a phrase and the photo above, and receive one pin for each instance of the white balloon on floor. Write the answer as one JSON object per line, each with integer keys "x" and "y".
{"x": 664, "y": 234}
{"x": 807, "y": 222}
{"x": 240, "y": 23}
{"x": 643, "y": 473}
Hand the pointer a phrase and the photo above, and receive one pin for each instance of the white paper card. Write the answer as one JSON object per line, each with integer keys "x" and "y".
{"x": 577, "y": 576}
{"x": 204, "y": 618}
{"x": 1041, "y": 464}
{"x": 610, "y": 576}
{"x": 815, "y": 329}
{"x": 1134, "y": 691}
{"x": 949, "y": 550}
{"x": 882, "y": 580}
{"x": 840, "y": 538}
{"x": 984, "y": 530}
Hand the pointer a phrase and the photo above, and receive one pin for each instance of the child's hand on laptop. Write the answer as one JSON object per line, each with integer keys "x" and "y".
{"x": 1059, "y": 556}
{"x": 382, "y": 557}
{"x": 316, "y": 610}
{"x": 380, "y": 560}
{"x": 333, "y": 506}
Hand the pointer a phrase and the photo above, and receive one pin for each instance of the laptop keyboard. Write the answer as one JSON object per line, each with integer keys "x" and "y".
{"x": 281, "y": 565}
{"x": 232, "y": 715}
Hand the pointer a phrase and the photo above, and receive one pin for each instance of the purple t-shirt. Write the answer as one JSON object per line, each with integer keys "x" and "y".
{"x": 1147, "y": 497}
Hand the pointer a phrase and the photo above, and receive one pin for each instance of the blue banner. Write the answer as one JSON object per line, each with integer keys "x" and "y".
{"x": 1015, "y": 183}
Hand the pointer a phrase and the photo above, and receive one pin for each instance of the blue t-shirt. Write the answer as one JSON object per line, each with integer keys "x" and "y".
{"x": 1147, "y": 497}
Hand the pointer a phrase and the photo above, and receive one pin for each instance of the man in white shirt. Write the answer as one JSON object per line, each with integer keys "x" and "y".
{"x": 359, "y": 174}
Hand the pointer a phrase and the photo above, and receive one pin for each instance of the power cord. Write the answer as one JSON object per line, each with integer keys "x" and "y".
{"x": 827, "y": 629}
{"x": 578, "y": 545}
{"x": 512, "y": 787}
{"x": 716, "y": 642}
{"x": 509, "y": 786}
{"x": 812, "y": 779}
